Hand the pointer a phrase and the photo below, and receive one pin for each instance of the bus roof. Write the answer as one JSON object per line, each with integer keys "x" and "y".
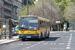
{"x": 40, "y": 18}
{"x": 44, "y": 19}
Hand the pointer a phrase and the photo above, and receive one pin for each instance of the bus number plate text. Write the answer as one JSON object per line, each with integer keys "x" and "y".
{"x": 28, "y": 36}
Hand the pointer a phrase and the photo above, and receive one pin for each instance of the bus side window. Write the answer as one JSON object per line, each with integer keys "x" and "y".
{"x": 0, "y": 25}
{"x": 41, "y": 22}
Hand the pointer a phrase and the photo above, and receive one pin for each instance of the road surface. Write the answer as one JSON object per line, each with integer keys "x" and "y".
{"x": 56, "y": 41}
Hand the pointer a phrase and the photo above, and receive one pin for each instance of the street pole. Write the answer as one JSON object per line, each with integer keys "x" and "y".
{"x": 51, "y": 12}
{"x": 27, "y": 8}
{"x": 43, "y": 7}
{"x": 10, "y": 28}
{"x": 58, "y": 27}
{"x": 5, "y": 29}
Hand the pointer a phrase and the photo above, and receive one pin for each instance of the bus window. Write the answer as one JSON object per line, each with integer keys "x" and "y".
{"x": 28, "y": 23}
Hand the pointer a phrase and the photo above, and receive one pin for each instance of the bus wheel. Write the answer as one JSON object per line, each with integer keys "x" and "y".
{"x": 44, "y": 36}
{"x": 41, "y": 37}
{"x": 23, "y": 39}
{"x": 48, "y": 35}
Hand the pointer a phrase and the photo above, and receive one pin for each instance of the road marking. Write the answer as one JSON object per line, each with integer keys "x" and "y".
{"x": 12, "y": 44}
{"x": 69, "y": 42}
{"x": 23, "y": 49}
{"x": 54, "y": 43}
{"x": 17, "y": 45}
{"x": 68, "y": 48}
{"x": 38, "y": 43}
{"x": 35, "y": 44}
{"x": 61, "y": 43}
{"x": 21, "y": 44}
{"x": 56, "y": 35}
{"x": 45, "y": 43}
{"x": 27, "y": 47}
{"x": 32, "y": 46}
{"x": 68, "y": 45}
{"x": 56, "y": 48}
{"x": 51, "y": 43}
{"x": 27, "y": 44}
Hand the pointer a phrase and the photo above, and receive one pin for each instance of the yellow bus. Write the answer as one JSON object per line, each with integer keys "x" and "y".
{"x": 33, "y": 27}
{"x": 0, "y": 29}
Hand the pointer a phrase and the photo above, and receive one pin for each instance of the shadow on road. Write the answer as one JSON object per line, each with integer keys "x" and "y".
{"x": 52, "y": 39}
{"x": 30, "y": 40}
{"x": 48, "y": 39}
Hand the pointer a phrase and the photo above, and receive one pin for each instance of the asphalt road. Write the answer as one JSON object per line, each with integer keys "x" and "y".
{"x": 57, "y": 41}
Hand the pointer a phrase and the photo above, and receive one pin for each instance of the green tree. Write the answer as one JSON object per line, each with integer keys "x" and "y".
{"x": 47, "y": 9}
{"x": 44, "y": 8}
{"x": 23, "y": 10}
{"x": 66, "y": 9}
{"x": 70, "y": 13}
{"x": 63, "y": 4}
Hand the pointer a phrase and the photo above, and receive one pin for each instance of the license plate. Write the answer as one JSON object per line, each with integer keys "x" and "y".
{"x": 28, "y": 36}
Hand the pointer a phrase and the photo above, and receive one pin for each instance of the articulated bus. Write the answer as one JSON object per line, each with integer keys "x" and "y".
{"x": 33, "y": 27}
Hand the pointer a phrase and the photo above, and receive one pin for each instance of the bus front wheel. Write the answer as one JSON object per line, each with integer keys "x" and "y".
{"x": 23, "y": 39}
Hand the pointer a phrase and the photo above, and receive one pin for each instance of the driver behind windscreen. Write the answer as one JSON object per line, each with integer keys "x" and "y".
{"x": 23, "y": 25}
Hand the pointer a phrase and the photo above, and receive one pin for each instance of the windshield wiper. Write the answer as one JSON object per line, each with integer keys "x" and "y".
{"x": 23, "y": 28}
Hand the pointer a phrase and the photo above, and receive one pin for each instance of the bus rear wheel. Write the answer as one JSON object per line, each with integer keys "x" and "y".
{"x": 23, "y": 39}
{"x": 48, "y": 35}
{"x": 40, "y": 37}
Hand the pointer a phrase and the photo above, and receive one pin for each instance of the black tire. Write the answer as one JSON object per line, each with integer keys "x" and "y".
{"x": 23, "y": 39}
{"x": 45, "y": 35}
{"x": 40, "y": 37}
{"x": 48, "y": 35}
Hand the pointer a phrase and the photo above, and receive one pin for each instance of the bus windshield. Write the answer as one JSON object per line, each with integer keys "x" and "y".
{"x": 28, "y": 23}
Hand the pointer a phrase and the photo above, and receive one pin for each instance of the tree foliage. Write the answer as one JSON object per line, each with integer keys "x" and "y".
{"x": 23, "y": 11}
{"x": 63, "y": 4}
{"x": 66, "y": 8}
{"x": 51, "y": 9}
{"x": 47, "y": 9}
{"x": 70, "y": 13}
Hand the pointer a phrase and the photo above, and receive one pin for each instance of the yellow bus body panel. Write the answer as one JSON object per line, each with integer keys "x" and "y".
{"x": 28, "y": 32}
{"x": 0, "y": 31}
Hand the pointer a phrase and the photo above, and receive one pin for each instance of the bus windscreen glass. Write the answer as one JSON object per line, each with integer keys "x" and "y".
{"x": 28, "y": 23}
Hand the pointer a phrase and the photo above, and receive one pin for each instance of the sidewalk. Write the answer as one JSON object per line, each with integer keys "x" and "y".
{"x": 6, "y": 41}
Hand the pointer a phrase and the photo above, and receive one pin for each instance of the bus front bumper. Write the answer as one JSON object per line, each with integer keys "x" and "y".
{"x": 28, "y": 36}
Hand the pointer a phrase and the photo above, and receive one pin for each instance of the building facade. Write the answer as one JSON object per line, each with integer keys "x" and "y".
{"x": 8, "y": 12}
{"x": 16, "y": 7}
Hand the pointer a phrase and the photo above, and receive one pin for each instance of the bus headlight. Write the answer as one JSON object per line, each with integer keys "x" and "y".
{"x": 35, "y": 28}
{"x": 20, "y": 32}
